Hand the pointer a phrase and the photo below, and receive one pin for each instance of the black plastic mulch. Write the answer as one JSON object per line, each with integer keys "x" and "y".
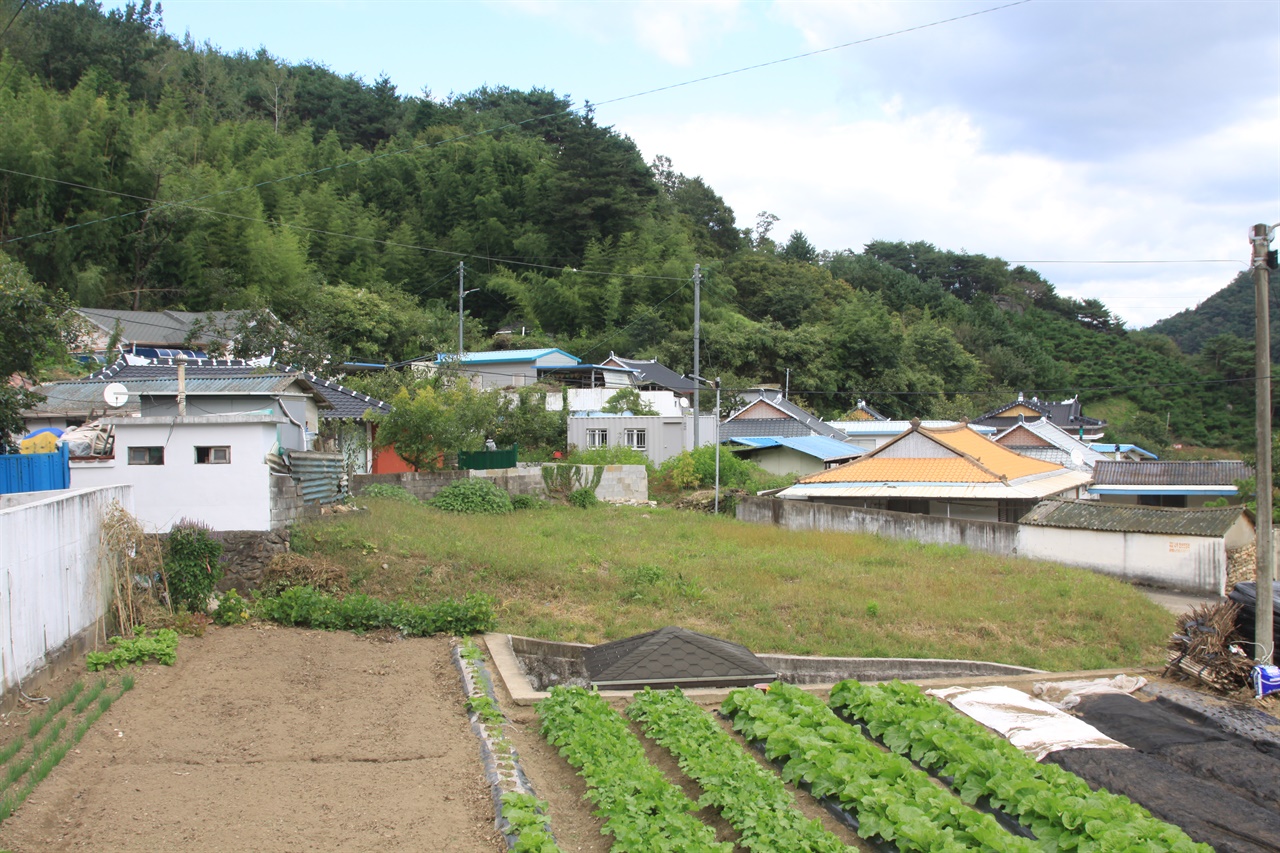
{"x": 1218, "y": 787}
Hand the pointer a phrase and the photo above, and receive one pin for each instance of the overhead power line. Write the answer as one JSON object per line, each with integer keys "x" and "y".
{"x": 509, "y": 125}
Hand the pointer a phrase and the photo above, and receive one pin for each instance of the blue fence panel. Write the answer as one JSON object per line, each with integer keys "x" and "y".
{"x": 35, "y": 472}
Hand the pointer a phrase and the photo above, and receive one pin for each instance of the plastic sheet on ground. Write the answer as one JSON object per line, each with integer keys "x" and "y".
{"x": 1066, "y": 694}
{"x": 1032, "y": 725}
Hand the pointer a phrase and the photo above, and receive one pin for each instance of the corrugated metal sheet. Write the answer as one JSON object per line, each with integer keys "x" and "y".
{"x": 1115, "y": 473}
{"x": 320, "y": 476}
{"x": 896, "y": 427}
{"x": 35, "y": 472}
{"x": 1034, "y": 489}
{"x": 817, "y": 446}
{"x": 1094, "y": 515}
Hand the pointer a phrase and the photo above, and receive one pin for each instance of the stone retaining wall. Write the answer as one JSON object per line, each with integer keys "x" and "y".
{"x": 618, "y": 483}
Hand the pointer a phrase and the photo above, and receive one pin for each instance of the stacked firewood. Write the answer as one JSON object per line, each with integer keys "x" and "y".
{"x": 1206, "y": 647}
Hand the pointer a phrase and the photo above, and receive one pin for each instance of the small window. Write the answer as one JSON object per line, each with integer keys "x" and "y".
{"x": 634, "y": 438}
{"x": 213, "y": 455}
{"x": 146, "y": 455}
{"x": 597, "y": 438}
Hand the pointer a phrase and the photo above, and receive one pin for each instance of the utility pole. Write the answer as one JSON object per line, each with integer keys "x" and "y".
{"x": 786, "y": 389}
{"x": 697, "y": 335}
{"x": 461, "y": 294}
{"x": 1263, "y": 629}
{"x": 717, "y": 510}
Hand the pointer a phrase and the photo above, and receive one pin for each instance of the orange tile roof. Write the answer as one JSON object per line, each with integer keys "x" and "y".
{"x": 977, "y": 459}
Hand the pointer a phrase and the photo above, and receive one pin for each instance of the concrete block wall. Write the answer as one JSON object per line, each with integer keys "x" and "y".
{"x": 54, "y": 590}
{"x": 992, "y": 537}
{"x": 287, "y": 505}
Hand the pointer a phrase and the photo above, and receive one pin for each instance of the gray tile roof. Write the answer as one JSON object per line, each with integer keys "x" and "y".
{"x": 164, "y": 328}
{"x": 1216, "y": 473}
{"x": 1068, "y": 414}
{"x": 344, "y": 403}
{"x": 811, "y": 423}
{"x": 653, "y": 373}
{"x": 673, "y": 656}
{"x": 1095, "y": 515}
{"x": 763, "y": 427}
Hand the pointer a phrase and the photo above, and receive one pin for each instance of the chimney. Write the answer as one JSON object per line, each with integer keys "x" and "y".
{"x": 182, "y": 385}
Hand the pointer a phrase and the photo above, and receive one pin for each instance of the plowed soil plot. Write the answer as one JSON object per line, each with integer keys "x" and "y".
{"x": 264, "y": 738}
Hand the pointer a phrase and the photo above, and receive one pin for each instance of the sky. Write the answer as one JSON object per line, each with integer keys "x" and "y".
{"x": 1123, "y": 148}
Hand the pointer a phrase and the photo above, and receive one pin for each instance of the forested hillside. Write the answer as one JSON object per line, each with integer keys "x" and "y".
{"x": 1223, "y": 323}
{"x": 139, "y": 171}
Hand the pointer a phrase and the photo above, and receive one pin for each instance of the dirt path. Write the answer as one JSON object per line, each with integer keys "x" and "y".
{"x": 264, "y": 738}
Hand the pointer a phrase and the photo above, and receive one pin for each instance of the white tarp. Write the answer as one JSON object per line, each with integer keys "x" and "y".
{"x": 1067, "y": 694}
{"x": 1032, "y": 725}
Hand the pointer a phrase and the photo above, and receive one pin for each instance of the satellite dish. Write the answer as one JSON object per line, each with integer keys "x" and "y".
{"x": 116, "y": 395}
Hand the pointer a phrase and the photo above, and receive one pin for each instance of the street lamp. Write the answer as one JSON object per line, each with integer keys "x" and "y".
{"x": 716, "y": 384}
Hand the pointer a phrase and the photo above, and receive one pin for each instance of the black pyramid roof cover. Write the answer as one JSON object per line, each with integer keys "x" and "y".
{"x": 673, "y": 657}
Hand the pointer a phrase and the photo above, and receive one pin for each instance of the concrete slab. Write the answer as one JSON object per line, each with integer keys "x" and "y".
{"x": 1176, "y": 602}
{"x": 503, "y": 660}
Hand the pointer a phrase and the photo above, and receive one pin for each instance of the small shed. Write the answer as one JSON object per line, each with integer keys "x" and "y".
{"x": 1179, "y": 548}
{"x": 673, "y": 657}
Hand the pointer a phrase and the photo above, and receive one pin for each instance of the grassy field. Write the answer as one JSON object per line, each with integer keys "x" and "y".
{"x": 592, "y": 575}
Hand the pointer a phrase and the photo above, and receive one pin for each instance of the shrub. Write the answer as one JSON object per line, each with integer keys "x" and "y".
{"x": 388, "y": 492}
{"x": 528, "y": 502}
{"x": 191, "y": 564}
{"x": 583, "y": 498}
{"x": 306, "y": 607}
{"x": 233, "y": 609}
{"x": 613, "y": 455}
{"x": 473, "y": 495}
{"x": 697, "y": 469}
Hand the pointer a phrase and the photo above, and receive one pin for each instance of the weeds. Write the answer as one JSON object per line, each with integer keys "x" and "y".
{"x": 620, "y": 571}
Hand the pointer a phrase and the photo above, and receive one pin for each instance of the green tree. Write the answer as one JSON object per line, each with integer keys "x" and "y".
{"x": 628, "y": 400}
{"x": 36, "y": 332}
{"x": 433, "y": 419}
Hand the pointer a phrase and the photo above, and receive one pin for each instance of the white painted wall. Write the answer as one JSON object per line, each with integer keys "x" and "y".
{"x": 593, "y": 399}
{"x": 666, "y": 436}
{"x": 51, "y": 584}
{"x": 236, "y": 496}
{"x": 1192, "y": 563}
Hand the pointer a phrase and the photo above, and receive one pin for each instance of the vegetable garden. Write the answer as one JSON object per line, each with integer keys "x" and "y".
{"x": 906, "y": 771}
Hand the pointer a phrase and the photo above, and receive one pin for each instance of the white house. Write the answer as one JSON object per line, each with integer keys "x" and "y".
{"x": 212, "y": 468}
{"x": 658, "y": 437}
{"x": 512, "y": 368}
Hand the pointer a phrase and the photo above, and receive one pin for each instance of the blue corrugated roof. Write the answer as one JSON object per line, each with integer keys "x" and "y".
{"x": 502, "y": 356}
{"x": 817, "y": 446}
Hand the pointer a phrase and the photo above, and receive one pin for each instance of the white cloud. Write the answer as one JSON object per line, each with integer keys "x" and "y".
{"x": 672, "y": 31}
{"x": 931, "y": 177}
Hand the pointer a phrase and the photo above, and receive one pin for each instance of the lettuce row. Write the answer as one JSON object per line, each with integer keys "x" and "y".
{"x": 751, "y": 798}
{"x": 890, "y": 798}
{"x": 642, "y": 810}
{"x": 1060, "y": 808}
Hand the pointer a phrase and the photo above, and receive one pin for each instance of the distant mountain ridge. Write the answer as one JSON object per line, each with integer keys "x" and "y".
{"x": 1229, "y": 311}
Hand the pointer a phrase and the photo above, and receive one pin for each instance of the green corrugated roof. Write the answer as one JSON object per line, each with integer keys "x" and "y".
{"x": 1126, "y": 518}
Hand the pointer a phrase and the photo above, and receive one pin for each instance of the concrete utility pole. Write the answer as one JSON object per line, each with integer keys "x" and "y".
{"x": 1263, "y": 630}
{"x": 461, "y": 294}
{"x": 697, "y": 337}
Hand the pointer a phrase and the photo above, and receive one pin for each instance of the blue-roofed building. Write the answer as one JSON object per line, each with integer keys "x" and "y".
{"x": 1123, "y": 452}
{"x": 511, "y": 368}
{"x": 799, "y": 455}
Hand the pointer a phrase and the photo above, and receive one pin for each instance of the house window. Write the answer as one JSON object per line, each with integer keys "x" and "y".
{"x": 213, "y": 455}
{"x": 634, "y": 438}
{"x": 597, "y": 438}
{"x": 146, "y": 455}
